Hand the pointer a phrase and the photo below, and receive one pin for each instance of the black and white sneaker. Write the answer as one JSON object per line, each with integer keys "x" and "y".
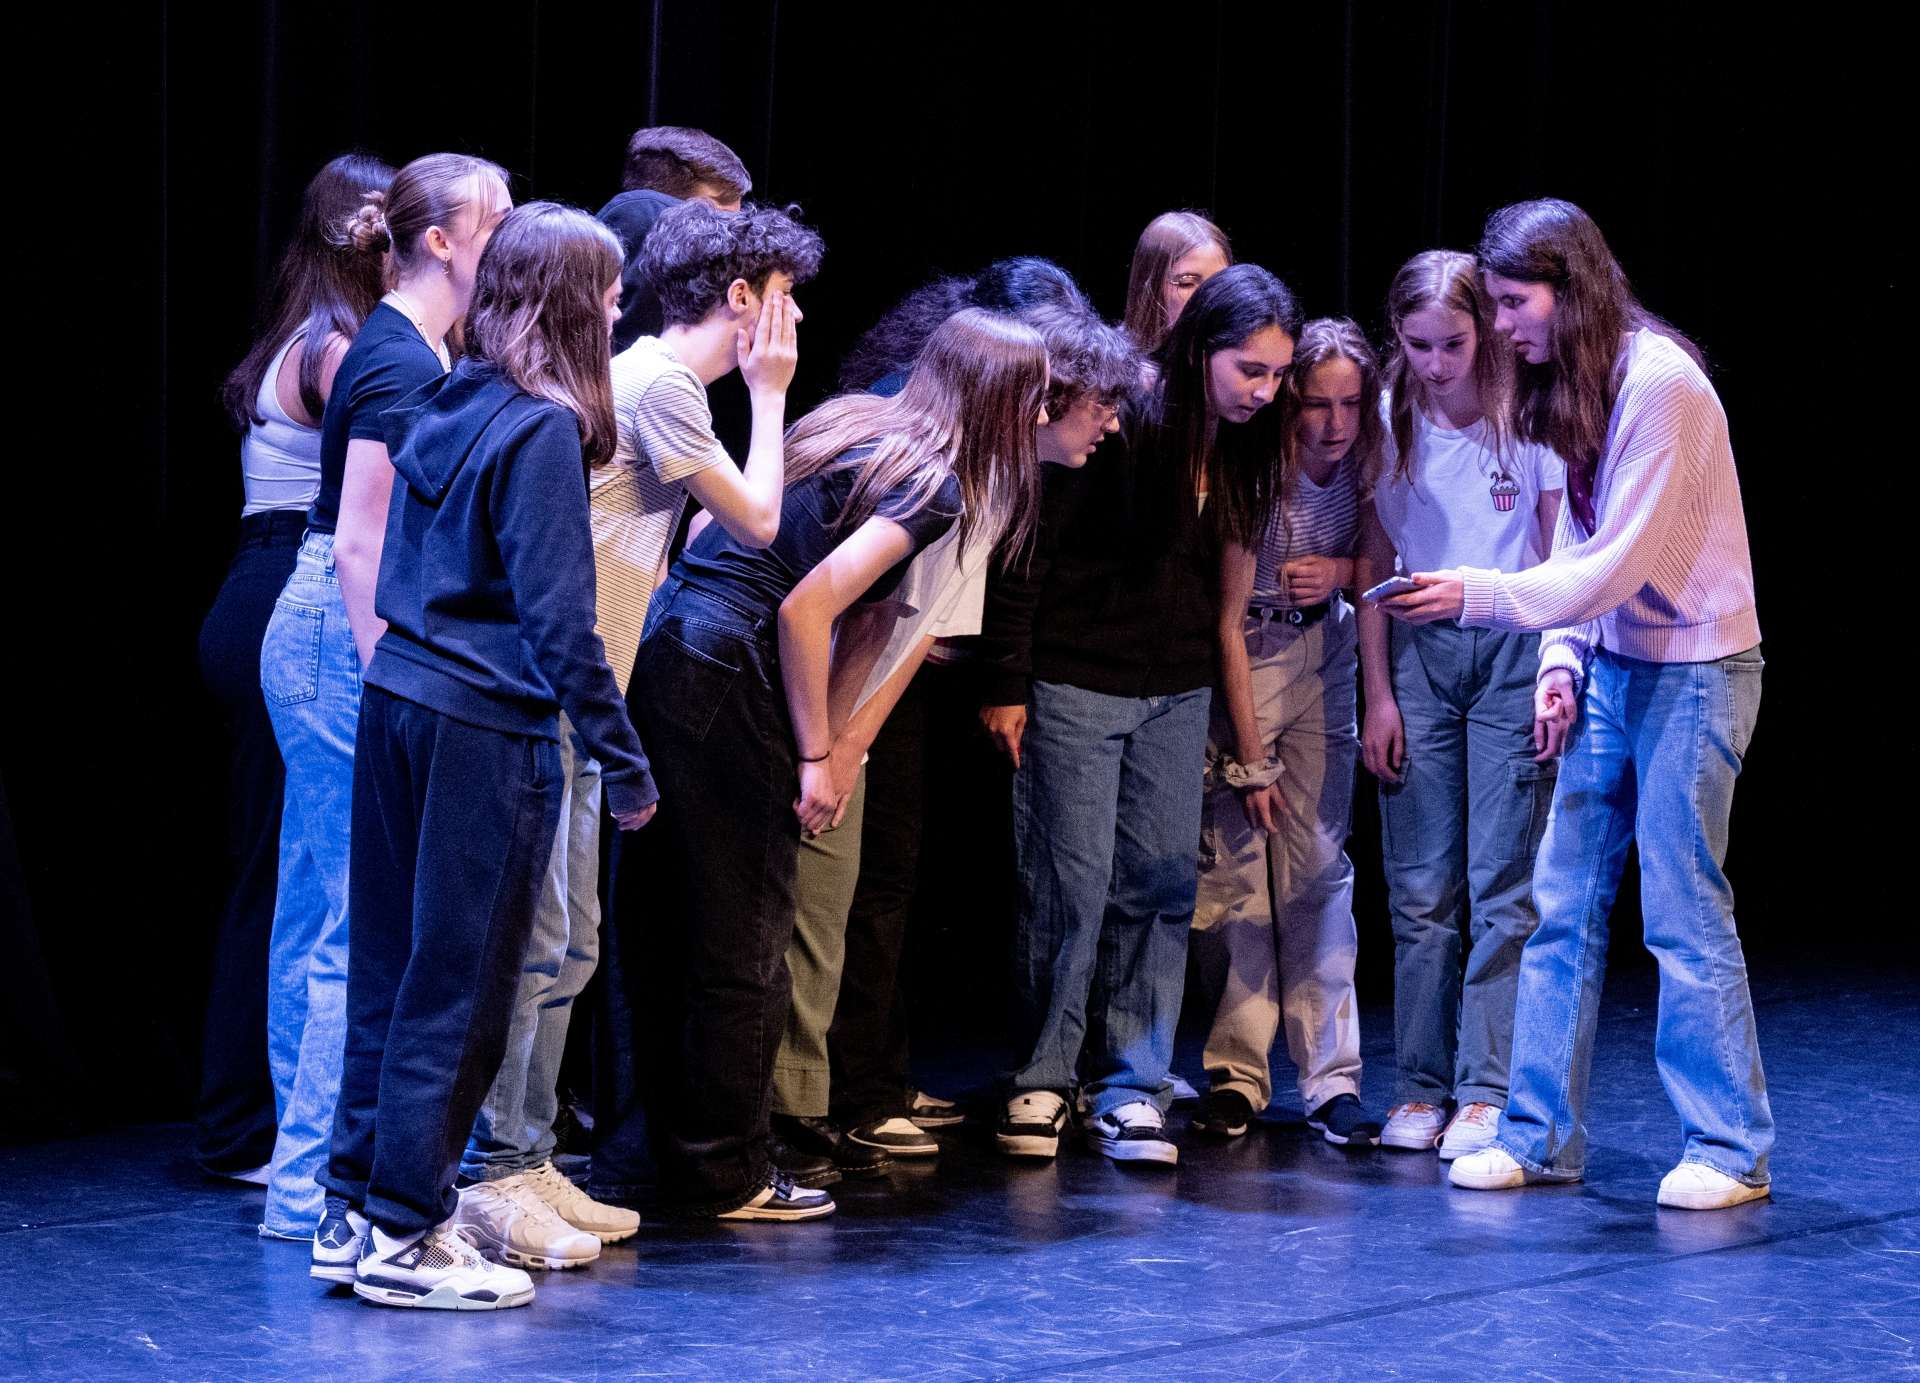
{"x": 336, "y": 1242}
{"x": 438, "y": 1268}
{"x": 1225, "y": 1112}
{"x": 1031, "y": 1124}
{"x": 780, "y": 1199}
{"x": 1135, "y": 1132}
{"x": 900, "y": 1137}
{"x": 1341, "y": 1120}
{"x": 930, "y": 1111}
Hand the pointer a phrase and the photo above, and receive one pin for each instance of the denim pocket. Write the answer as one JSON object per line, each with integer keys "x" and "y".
{"x": 1524, "y": 821}
{"x": 687, "y": 669}
{"x": 290, "y": 653}
{"x": 1742, "y": 673}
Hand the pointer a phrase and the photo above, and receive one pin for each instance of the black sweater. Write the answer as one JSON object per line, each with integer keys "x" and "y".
{"x": 1120, "y": 593}
{"x": 486, "y": 581}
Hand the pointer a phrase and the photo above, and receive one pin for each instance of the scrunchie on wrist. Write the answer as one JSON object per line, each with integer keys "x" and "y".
{"x": 1241, "y": 776}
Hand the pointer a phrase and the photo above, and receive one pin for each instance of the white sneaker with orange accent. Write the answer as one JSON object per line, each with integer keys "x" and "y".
{"x": 1471, "y": 1130}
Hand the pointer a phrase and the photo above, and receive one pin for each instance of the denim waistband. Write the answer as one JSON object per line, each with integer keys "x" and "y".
{"x": 678, "y": 597}
{"x": 273, "y": 528}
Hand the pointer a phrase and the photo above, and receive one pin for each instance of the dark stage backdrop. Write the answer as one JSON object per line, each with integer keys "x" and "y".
{"x": 1727, "y": 161}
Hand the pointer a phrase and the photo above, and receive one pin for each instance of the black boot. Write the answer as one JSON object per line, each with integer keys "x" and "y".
{"x": 820, "y": 1137}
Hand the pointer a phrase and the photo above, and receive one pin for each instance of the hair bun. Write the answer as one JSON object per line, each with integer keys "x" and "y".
{"x": 367, "y": 227}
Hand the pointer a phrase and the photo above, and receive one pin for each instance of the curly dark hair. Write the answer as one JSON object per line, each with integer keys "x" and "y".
{"x": 1085, "y": 356}
{"x": 694, "y": 253}
{"x": 1006, "y": 285}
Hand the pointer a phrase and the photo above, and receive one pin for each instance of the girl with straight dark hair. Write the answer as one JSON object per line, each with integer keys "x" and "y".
{"x": 1650, "y": 681}
{"x": 431, "y": 226}
{"x": 1176, "y": 253}
{"x": 323, "y": 289}
{"x": 732, "y": 690}
{"x": 1273, "y": 931}
{"x": 1102, "y": 650}
{"x": 486, "y": 592}
{"x": 1449, "y": 729}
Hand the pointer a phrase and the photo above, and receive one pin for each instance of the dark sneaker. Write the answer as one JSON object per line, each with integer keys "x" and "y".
{"x": 1031, "y": 1124}
{"x": 438, "y": 1268}
{"x": 802, "y": 1168}
{"x": 1225, "y": 1112}
{"x": 900, "y": 1137}
{"x": 781, "y": 1199}
{"x": 816, "y": 1138}
{"x": 930, "y": 1111}
{"x": 1341, "y": 1120}
{"x": 336, "y": 1242}
{"x": 1135, "y": 1132}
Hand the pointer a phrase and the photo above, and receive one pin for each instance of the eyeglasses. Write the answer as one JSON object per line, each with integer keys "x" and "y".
{"x": 1186, "y": 283}
{"x": 1103, "y": 409}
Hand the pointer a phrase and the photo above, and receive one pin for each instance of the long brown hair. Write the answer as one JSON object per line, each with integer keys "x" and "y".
{"x": 539, "y": 313}
{"x": 1567, "y": 401}
{"x": 1339, "y": 338}
{"x": 324, "y": 286}
{"x": 1167, "y": 237}
{"x": 1449, "y": 280}
{"x": 969, "y": 410}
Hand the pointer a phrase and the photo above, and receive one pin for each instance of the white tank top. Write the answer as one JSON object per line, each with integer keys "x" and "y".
{"x": 279, "y": 458}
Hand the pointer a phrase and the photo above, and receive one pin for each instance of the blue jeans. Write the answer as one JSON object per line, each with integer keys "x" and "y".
{"x": 514, "y": 1129}
{"x": 310, "y": 676}
{"x": 1106, "y": 810}
{"x": 1461, "y": 830}
{"x": 1653, "y": 758}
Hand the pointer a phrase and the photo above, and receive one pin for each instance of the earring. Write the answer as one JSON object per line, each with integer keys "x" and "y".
{"x": 446, "y": 267}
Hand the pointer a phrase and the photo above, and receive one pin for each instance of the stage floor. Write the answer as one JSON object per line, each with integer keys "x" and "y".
{"x": 1273, "y": 1256}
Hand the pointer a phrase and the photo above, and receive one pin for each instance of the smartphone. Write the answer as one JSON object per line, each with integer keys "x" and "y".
{"x": 1393, "y": 585}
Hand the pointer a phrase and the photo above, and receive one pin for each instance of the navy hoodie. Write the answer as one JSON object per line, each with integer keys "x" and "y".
{"x": 486, "y": 581}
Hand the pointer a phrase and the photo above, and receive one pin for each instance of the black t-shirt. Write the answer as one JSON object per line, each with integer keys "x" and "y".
{"x": 758, "y": 579}
{"x": 388, "y": 360}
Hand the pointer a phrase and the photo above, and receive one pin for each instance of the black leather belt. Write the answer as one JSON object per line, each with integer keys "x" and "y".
{"x": 1299, "y": 615}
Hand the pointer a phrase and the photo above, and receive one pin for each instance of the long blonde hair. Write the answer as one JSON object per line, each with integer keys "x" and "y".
{"x": 539, "y": 313}
{"x": 969, "y": 410}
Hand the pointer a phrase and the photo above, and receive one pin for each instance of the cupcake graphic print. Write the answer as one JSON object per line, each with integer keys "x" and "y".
{"x": 1505, "y": 490}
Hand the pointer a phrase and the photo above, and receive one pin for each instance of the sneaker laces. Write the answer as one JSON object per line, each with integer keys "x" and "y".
{"x": 1044, "y": 1103}
{"x": 525, "y": 1195}
{"x": 1479, "y": 1114}
{"x": 1415, "y": 1107}
{"x": 1137, "y": 1114}
{"x": 557, "y": 1191}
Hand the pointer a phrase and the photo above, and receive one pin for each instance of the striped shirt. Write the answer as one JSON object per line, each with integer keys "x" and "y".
{"x": 1666, "y": 575}
{"x": 1310, "y": 521}
{"x": 635, "y": 500}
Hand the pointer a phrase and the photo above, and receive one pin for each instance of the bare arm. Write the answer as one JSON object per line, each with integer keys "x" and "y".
{"x": 360, "y": 532}
{"x": 806, "y": 623}
{"x": 746, "y": 500}
{"x": 286, "y": 386}
{"x": 1236, "y": 673}
{"x": 1383, "y": 737}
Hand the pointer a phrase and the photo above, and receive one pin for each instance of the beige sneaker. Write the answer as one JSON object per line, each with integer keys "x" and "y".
{"x": 607, "y": 1223}
{"x": 1471, "y": 1130}
{"x": 1696, "y": 1186}
{"x": 508, "y": 1221}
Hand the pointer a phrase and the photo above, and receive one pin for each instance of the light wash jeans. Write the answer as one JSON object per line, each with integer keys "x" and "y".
{"x": 310, "y": 676}
{"x": 514, "y": 1130}
{"x": 1274, "y": 941}
{"x": 1106, "y": 808}
{"x": 1653, "y": 758}
{"x": 1460, "y": 831}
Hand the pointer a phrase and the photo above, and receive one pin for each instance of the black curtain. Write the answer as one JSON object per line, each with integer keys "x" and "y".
{"x": 1734, "y": 166}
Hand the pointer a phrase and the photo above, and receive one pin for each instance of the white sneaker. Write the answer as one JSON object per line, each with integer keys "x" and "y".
{"x": 1031, "y": 1125}
{"x": 337, "y": 1241}
{"x": 1471, "y": 1130}
{"x": 930, "y": 1111}
{"x": 437, "y": 1268}
{"x": 607, "y": 1223}
{"x": 507, "y": 1220}
{"x": 1490, "y": 1169}
{"x": 1696, "y": 1186}
{"x": 1415, "y": 1124}
{"x": 1135, "y": 1132}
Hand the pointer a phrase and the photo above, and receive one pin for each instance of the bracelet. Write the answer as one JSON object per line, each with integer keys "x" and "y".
{"x": 817, "y": 759}
{"x": 1241, "y": 776}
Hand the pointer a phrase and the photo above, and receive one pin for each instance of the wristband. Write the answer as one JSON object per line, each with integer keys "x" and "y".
{"x": 817, "y": 759}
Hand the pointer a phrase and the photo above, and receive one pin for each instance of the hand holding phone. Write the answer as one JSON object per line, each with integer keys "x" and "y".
{"x": 1393, "y": 585}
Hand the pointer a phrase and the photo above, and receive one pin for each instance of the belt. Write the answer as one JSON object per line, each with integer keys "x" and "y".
{"x": 273, "y": 526}
{"x": 1298, "y": 615}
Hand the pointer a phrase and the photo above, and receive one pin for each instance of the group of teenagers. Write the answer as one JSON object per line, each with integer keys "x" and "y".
{"x": 1163, "y": 557}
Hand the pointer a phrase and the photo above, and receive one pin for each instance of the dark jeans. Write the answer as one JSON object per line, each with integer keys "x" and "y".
{"x": 708, "y": 706}
{"x": 867, "y": 1043}
{"x": 451, "y": 829}
{"x": 235, "y": 1116}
